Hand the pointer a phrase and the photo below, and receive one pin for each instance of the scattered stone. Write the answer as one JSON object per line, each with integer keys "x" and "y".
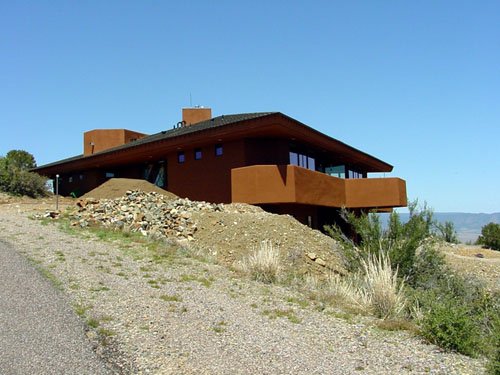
{"x": 52, "y": 214}
{"x": 311, "y": 256}
{"x": 320, "y": 261}
{"x": 149, "y": 213}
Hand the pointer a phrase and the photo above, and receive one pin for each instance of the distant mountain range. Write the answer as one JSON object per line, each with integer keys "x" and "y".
{"x": 468, "y": 226}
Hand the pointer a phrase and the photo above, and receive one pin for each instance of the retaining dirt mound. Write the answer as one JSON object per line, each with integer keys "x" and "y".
{"x": 117, "y": 187}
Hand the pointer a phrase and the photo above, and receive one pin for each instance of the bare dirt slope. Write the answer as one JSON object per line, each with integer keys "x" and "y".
{"x": 475, "y": 261}
{"x": 232, "y": 233}
{"x": 116, "y": 187}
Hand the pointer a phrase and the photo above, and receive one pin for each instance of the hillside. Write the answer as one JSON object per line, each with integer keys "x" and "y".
{"x": 165, "y": 309}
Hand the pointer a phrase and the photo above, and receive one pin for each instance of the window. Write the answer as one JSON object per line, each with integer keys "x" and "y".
{"x": 303, "y": 161}
{"x": 160, "y": 178}
{"x": 81, "y": 177}
{"x": 181, "y": 157}
{"x": 219, "y": 150}
{"x": 70, "y": 179}
{"x": 110, "y": 175}
{"x": 355, "y": 174}
{"x": 311, "y": 163}
{"x": 197, "y": 154}
{"x": 338, "y": 171}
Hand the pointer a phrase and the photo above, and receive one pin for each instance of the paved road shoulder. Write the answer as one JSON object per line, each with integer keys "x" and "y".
{"x": 39, "y": 333}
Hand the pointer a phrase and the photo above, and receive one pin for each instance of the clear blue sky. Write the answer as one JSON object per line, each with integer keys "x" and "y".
{"x": 414, "y": 83}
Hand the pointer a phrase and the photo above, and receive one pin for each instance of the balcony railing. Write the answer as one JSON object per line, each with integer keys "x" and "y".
{"x": 274, "y": 184}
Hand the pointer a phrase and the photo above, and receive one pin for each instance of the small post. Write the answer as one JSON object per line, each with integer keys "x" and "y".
{"x": 57, "y": 192}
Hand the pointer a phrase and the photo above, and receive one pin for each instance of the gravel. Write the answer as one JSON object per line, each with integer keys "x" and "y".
{"x": 181, "y": 314}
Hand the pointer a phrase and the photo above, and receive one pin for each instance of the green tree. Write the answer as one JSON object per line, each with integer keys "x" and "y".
{"x": 490, "y": 236}
{"x": 15, "y": 177}
{"x": 20, "y": 159}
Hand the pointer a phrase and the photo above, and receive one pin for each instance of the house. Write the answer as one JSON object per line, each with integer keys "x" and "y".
{"x": 267, "y": 159}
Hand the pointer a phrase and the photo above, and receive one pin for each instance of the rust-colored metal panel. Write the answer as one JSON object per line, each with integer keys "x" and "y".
{"x": 268, "y": 184}
{"x": 375, "y": 192}
{"x": 317, "y": 188}
{"x": 263, "y": 184}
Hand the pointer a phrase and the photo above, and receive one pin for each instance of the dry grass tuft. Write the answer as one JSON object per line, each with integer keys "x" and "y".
{"x": 263, "y": 264}
{"x": 382, "y": 291}
{"x": 375, "y": 290}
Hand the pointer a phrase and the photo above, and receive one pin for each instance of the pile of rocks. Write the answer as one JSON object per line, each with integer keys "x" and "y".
{"x": 149, "y": 213}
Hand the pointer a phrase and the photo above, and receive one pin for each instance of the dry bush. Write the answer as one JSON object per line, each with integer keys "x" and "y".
{"x": 375, "y": 290}
{"x": 345, "y": 290}
{"x": 263, "y": 264}
{"x": 381, "y": 289}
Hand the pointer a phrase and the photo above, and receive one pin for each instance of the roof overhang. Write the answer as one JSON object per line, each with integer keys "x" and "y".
{"x": 272, "y": 125}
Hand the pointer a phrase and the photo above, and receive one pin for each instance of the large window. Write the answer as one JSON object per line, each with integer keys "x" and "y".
{"x": 302, "y": 160}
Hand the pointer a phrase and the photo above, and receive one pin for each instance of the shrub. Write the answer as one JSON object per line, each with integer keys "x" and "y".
{"x": 15, "y": 177}
{"x": 428, "y": 267}
{"x": 455, "y": 313}
{"x": 263, "y": 264}
{"x": 490, "y": 236}
{"x": 447, "y": 232}
{"x": 400, "y": 240}
{"x": 447, "y": 323}
{"x": 458, "y": 313}
{"x": 493, "y": 367}
{"x": 27, "y": 183}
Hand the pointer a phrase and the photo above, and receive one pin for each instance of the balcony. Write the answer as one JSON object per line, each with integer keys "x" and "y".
{"x": 279, "y": 184}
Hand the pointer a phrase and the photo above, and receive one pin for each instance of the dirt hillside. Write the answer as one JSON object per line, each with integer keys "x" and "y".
{"x": 475, "y": 261}
{"x": 232, "y": 233}
{"x": 116, "y": 187}
{"x": 228, "y": 232}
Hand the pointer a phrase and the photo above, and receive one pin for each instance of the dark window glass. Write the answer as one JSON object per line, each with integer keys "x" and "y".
{"x": 294, "y": 158}
{"x": 181, "y": 158}
{"x": 219, "y": 150}
{"x": 197, "y": 154}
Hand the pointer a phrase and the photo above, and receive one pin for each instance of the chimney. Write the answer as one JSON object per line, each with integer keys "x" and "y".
{"x": 191, "y": 116}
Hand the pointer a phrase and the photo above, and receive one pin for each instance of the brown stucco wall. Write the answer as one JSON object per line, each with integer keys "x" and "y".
{"x": 104, "y": 139}
{"x": 375, "y": 192}
{"x": 207, "y": 179}
{"x": 267, "y": 184}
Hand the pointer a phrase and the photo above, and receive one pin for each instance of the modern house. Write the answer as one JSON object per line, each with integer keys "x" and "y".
{"x": 267, "y": 159}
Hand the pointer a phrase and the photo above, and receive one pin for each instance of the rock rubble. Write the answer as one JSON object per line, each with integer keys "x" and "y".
{"x": 149, "y": 213}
